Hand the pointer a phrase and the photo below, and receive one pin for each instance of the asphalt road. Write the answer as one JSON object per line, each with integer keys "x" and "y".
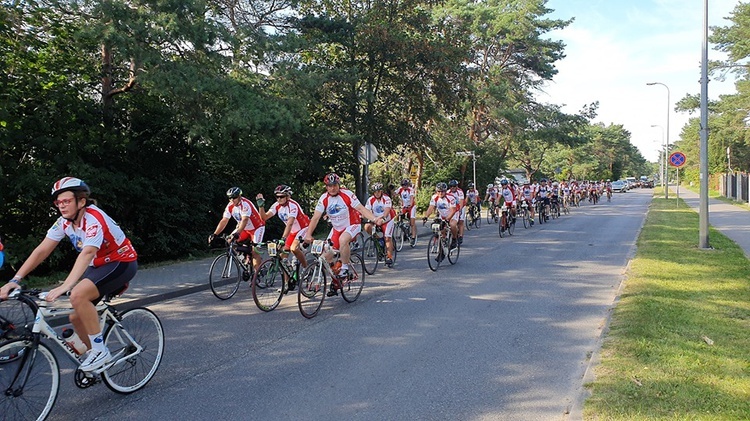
{"x": 505, "y": 334}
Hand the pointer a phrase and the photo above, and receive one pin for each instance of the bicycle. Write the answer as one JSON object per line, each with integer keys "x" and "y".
{"x": 30, "y": 373}
{"x": 566, "y": 204}
{"x": 492, "y": 213}
{"x": 440, "y": 241}
{"x": 402, "y": 233}
{"x": 229, "y": 269}
{"x": 275, "y": 277}
{"x": 525, "y": 214}
{"x": 375, "y": 251}
{"x": 507, "y": 223}
{"x": 473, "y": 216}
{"x": 609, "y": 195}
{"x": 541, "y": 211}
{"x": 312, "y": 291}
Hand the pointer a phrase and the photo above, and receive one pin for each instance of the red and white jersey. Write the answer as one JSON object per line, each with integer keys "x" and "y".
{"x": 443, "y": 205}
{"x": 472, "y": 195}
{"x": 340, "y": 209}
{"x": 507, "y": 194}
{"x": 245, "y": 208}
{"x": 407, "y": 195}
{"x": 459, "y": 195}
{"x": 378, "y": 206}
{"x": 527, "y": 192}
{"x": 99, "y": 230}
{"x": 492, "y": 192}
{"x": 291, "y": 209}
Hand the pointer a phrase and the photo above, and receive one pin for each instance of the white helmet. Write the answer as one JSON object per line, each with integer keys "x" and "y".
{"x": 69, "y": 184}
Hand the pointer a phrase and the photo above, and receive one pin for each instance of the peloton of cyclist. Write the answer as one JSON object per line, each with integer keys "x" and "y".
{"x": 345, "y": 213}
{"x": 105, "y": 264}
{"x": 446, "y": 206}
{"x": 381, "y": 206}
{"x": 250, "y": 224}
{"x": 407, "y": 194}
{"x": 294, "y": 218}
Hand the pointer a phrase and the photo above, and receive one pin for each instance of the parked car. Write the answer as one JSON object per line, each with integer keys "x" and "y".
{"x": 647, "y": 184}
{"x": 619, "y": 186}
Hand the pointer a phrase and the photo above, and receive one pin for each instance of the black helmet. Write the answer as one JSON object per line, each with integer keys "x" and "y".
{"x": 441, "y": 186}
{"x": 453, "y": 183}
{"x": 282, "y": 190}
{"x": 405, "y": 182}
{"x": 69, "y": 184}
{"x": 471, "y": 185}
{"x": 234, "y": 192}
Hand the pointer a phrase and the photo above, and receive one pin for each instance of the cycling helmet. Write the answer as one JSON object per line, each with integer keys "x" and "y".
{"x": 282, "y": 189}
{"x": 441, "y": 186}
{"x": 471, "y": 185}
{"x": 489, "y": 186}
{"x": 234, "y": 192}
{"x": 503, "y": 182}
{"x": 331, "y": 179}
{"x": 544, "y": 180}
{"x": 405, "y": 182}
{"x": 453, "y": 183}
{"x": 376, "y": 186}
{"x": 69, "y": 184}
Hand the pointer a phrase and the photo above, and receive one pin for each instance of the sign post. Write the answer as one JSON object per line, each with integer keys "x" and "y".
{"x": 677, "y": 160}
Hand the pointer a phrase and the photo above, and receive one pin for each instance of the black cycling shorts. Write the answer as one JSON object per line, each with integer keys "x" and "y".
{"x": 111, "y": 277}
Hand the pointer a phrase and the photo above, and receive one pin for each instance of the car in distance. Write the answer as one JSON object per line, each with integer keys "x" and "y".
{"x": 619, "y": 186}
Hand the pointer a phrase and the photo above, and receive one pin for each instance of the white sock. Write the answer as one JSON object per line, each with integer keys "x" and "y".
{"x": 97, "y": 342}
{"x": 344, "y": 266}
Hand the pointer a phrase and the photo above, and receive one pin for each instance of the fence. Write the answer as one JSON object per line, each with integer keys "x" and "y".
{"x": 735, "y": 186}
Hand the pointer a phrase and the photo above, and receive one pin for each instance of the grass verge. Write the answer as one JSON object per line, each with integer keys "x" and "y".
{"x": 678, "y": 345}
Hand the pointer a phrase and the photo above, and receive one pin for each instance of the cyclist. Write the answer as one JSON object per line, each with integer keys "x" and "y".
{"x": 250, "y": 224}
{"x": 407, "y": 194}
{"x": 381, "y": 206}
{"x": 527, "y": 195}
{"x": 460, "y": 207}
{"x": 294, "y": 218}
{"x": 543, "y": 193}
{"x": 343, "y": 210}
{"x": 506, "y": 191}
{"x": 447, "y": 207}
{"x": 491, "y": 193}
{"x": 105, "y": 264}
{"x": 473, "y": 198}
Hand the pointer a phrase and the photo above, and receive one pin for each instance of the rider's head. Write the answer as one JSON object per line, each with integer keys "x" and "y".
{"x": 234, "y": 194}
{"x": 471, "y": 185}
{"x": 504, "y": 182}
{"x": 377, "y": 189}
{"x": 282, "y": 191}
{"x": 489, "y": 186}
{"x": 453, "y": 184}
{"x": 441, "y": 187}
{"x": 70, "y": 195}
{"x": 333, "y": 183}
{"x": 405, "y": 182}
{"x": 543, "y": 181}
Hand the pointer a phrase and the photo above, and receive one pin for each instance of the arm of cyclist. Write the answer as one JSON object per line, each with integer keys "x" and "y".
{"x": 378, "y": 220}
{"x": 40, "y": 253}
{"x": 79, "y": 268}
{"x": 219, "y": 229}
{"x": 311, "y": 228}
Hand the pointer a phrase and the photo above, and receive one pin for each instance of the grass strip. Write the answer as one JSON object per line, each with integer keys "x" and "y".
{"x": 678, "y": 345}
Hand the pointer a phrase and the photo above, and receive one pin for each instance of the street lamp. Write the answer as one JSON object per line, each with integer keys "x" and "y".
{"x": 474, "y": 159}
{"x": 662, "y": 164}
{"x": 666, "y": 189}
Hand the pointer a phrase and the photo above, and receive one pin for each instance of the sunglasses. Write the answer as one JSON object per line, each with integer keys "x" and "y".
{"x": 63, "y": 202}
{"x": 281, "y": 197}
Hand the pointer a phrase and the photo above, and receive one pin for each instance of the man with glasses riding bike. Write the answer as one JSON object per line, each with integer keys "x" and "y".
{"x": 294, "y": 218}
{"x": 250, "y": 224}
{"x": 460, "y": 207}
{"x": 105, "y": 264}
{"x": 343, "y": 210}
{"x": 407, "y": 194}
{"x": 447, "y": 207}
{"x": 381, "y": 206}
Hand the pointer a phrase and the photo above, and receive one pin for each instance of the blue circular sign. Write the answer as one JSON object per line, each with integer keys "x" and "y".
{"x": 677, "y": 159}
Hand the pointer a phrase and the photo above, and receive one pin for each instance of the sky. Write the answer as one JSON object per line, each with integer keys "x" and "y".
{"x": 614, "y": 47}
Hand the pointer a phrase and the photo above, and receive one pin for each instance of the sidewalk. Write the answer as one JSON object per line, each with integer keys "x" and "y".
{"x": 171, "y": 281}
{"x": 732, "y": 221}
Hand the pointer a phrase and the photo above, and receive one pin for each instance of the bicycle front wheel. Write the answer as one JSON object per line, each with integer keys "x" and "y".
{"x": 34, "y": 399}
{"x": 224, "y": 276}
{"x": 311, "y": 291}
{"x": 268, "y": 285}
{"x": 137, "y": 346}
{"x": 357, "y": 243}
{"x": 434, "y": 253}
{"x": 370, "y": 256}
{"x": 400, "y": 238}
{"x": 351, "y": 287}
{"x": 453, "y": 253}
{"x": 525, "y": 218}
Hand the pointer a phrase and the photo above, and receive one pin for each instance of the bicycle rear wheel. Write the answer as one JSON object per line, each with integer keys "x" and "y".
{"x": 351, "y": 287}
{"x": 453, "y": 252}
{"x": 525, "y": 217}
{"x": 311, "y": 291}
{"x": 400, "y": 238}
{"x": 138, "y": 328}
{"x": 511, "y": 225}
{"x": 370, "y": 256}
{"x": 434, "y": 252}
{"x": 35, "y": 399}
{"x": 224, "y": 276}
{"x": 357, "y": 243}
{"x": 268, "y": 285}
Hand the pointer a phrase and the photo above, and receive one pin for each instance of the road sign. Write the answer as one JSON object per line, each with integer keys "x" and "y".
{"x": 677, "y": 159}
{"x": 368, "y": 154}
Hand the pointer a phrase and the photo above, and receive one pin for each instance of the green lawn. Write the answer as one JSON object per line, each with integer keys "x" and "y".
{"x": 678, "y": 345}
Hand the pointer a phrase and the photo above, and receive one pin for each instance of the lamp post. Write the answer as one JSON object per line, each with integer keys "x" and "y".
{"x": 663, "y": 163}
{"x": 474, "y": 161}
{"x": 666, "y": 173}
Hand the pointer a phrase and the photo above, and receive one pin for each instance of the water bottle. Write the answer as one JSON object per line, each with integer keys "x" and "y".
{"x": 73, "y": 341}
{"x": 336, "y": 267}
